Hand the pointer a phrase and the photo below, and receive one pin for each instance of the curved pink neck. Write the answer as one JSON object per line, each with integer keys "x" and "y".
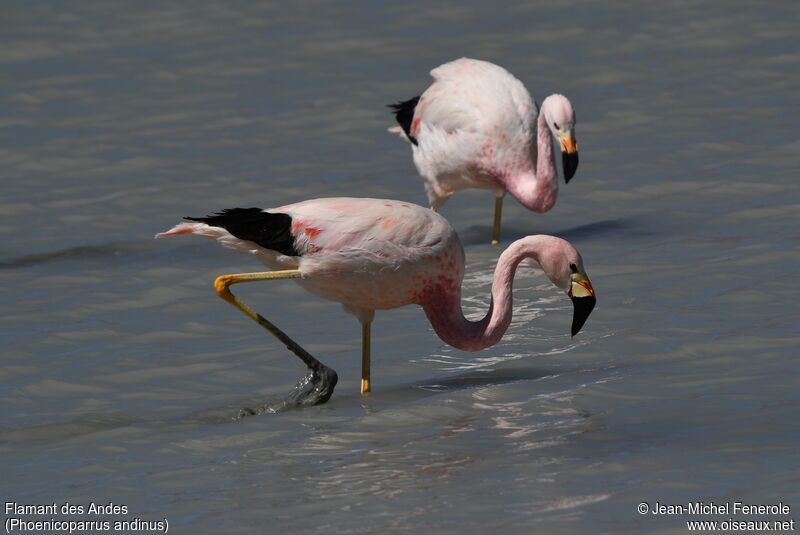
{"x": 537, "y": 190}
{"x": 443, "y": 307}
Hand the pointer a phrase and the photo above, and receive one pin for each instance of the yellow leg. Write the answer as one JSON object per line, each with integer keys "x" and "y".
{"x": 498, "y": 212}
{"x": 222, "y": 286}
{"x": 318, "y": 384}
{"x": 365, "y": 357}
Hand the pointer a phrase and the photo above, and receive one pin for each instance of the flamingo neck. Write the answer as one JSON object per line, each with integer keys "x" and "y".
{"x": 443, "y": 305}
{"x": 537, "y": 189}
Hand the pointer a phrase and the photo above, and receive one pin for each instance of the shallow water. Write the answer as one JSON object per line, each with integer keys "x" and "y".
{"x": 121, "y": 370}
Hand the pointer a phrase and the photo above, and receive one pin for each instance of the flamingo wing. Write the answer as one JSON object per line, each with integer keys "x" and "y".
{"x": 449, "y": 104}
{"x": 473, "y": 113}
{"x": 372, "y": 254}
{"x": 478, "y": 96}
{"x": 379, "y": 226}
{"x": 330, "y": 236}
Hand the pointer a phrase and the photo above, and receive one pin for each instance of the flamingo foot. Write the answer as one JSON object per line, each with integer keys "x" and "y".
{"x": 315, "y": 388}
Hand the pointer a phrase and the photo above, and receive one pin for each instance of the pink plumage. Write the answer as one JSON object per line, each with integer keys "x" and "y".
{"x": 376, "y": 254}
{"x": 475, "y": 127}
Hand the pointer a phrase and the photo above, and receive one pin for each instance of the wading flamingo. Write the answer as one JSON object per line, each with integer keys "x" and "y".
{"x": 373, "y": 254}
{"x": 474, "y": 127}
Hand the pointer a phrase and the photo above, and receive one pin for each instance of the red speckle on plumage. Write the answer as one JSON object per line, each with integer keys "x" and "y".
{"x": 415, "y": 126}
{"x": 488, "y": 151}
{"x": 299, "y": 227}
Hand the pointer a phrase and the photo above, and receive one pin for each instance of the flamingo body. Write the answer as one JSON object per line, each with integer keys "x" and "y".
{"x": 474, "y": 128}
{"x": 377, "y": 254}
{"x": 367, "y": 254}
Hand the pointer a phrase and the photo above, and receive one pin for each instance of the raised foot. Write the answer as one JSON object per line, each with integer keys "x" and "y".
{"x": 315, "y": 388}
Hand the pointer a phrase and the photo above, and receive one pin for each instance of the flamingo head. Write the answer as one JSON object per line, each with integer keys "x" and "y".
{"x": 563, "y": 265}
{"x": 560, "y": 119}
{"x": 582, "y": 295}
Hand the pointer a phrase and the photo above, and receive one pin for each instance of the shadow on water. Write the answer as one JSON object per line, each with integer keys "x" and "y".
{"x": 480, "y": 379}
{"x": 395, "y": 395}
{"x": 127, "y": 251}
{"x": 91, "y": 253}
{"x": 633, "y": 225}
{"x": 57, "y": 432}
{"x": 409, "y": 392}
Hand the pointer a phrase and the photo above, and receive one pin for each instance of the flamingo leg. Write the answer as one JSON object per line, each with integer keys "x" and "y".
{"x": 317, "y": 385}
{"x": 498, "y": 212}
{"x": 365, "y": 357}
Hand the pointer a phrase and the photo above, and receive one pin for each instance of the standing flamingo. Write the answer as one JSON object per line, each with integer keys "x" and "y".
{"x": 371, "y": 254}
{"x": 473, "y": 128}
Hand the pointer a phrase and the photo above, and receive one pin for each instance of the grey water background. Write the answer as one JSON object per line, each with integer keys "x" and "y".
{"x": 120, "y": 369}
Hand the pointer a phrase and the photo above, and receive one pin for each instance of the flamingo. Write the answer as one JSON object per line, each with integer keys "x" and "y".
{"x": 473, "y": 128}
{"x": 376, "y": 254}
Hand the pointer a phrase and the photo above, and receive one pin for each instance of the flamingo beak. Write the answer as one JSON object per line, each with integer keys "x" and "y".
{"x": 583, "y": 300}
{"x": 569, "y": 154}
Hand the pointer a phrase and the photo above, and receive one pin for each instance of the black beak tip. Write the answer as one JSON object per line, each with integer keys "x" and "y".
{"x": 570, "y": 164}
{"x": 583, "y": 306}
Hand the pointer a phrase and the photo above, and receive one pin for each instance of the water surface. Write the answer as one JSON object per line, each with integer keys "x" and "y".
{"x": 121, "y": 370}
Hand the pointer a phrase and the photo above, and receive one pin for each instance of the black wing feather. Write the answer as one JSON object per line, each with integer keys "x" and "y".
{"x": 404, "y": 113}
{"x": 269, "y": 230}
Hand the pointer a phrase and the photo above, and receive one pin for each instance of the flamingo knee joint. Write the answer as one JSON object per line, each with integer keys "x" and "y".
{"x": 221, "y": 286}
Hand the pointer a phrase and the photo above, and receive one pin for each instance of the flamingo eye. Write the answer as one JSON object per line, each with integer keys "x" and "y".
{"x": 573, "y": 268}
{"x": 556, "y": 125}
